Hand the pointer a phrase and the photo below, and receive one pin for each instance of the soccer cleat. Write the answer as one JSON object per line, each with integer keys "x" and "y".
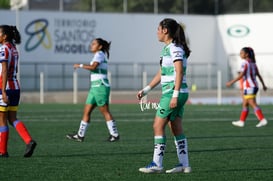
{"x": 263, "y": 122}
{"x": 238, "y": 123}
{"x": 113, "y": 138}
{"x": 75, "y": 137}
{"x": 4, "y": 155}
{"x": 30, "y": 148}
{"x": 151, "y": 168}
{"x": 179, "y": 168}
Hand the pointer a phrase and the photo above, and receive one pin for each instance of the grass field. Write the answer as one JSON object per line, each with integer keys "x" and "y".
{"x": 217, "y": 150}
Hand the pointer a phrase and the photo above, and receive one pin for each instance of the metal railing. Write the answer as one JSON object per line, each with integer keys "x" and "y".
{"x": 58, "y": 76}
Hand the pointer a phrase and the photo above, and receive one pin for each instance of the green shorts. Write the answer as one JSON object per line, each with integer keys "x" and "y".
{"x": 98, "y": 96}
{"x": 164, "y": 110}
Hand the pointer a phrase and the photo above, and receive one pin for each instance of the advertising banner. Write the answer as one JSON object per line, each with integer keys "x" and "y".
{"x": 66, "y": 36}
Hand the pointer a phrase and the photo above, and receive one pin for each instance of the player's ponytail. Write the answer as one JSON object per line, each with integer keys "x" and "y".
{"x": 105, "y": 46}
{"x": 180, "y": 39}
{"x": 250, "y": 52}
{"x": 176, "y": 32}
{"x": 16, "y": 37}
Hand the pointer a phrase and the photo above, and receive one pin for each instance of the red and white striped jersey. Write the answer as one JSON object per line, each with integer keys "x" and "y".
{"x": 250, "y": 72}
{"x": 9, "y": 53}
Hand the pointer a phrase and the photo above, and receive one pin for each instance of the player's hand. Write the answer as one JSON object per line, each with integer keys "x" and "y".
{"x": 173, "y": 102}
{"x": 5, "y": 97}
{"x": 228, "y": 84}
{"x": 264, "y": 88}
{"x": 76, "y": 66}
{"x": 140, "y": 94}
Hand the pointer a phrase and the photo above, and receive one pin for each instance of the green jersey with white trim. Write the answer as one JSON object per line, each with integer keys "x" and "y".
{"x": 100, "y": 73}
{"x": 169, "y": 54}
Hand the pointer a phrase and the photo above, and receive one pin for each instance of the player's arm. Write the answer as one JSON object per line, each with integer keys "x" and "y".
{"x": 177, "y": 82}
{"x": 154, "y": 82}
{"x": 4, "y": 76}
{"x": 241, "y": 74}
{"x": 93, "y": 66}
{"x": 261, "y": 79}
{"x": 179, "y": 74}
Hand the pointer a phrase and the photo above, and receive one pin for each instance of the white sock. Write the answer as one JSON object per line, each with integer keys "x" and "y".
{"x": 182, "y": 151}
{"x": 159, "y": 151}
{"x": 112, "y": 127}
{"x": 82, "y": 128}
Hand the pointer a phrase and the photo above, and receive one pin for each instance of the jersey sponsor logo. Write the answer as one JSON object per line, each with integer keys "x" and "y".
{"x": 38, "y": 35}
{"x": 178, "y": 54}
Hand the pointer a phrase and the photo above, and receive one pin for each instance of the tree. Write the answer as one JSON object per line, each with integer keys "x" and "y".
{"x": 141, "y": 6}
{"x": 4, "y": 4}
{"x": 206, "y": 7}
{"x": 201, "y": 7}
{"x": 109, "y": 6}
{"x": 174, "y": 7}
{"x": 263, "y": 6}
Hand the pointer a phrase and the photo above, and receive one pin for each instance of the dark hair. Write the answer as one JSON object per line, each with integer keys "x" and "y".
{"x": 13, "y": 35}
{"x": 250, "y": 53}
{"x": 176, "y": 32}
{"x": 105, "y": 46}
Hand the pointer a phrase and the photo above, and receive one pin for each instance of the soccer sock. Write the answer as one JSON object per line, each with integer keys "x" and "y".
{"x": 112, "y": 127}
{"x": 82, "y": 128}
{"x": 259, "y": 113}
{"x": 182, "y": 149}
{"x": 159, "y": 150}
{"x": 22, "y": 131}
{"x": 4, "y": 135}
{"x": 244, "y": 114}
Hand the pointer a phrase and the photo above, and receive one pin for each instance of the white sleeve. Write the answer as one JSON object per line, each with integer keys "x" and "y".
{"x": 176, "y": 53}
{"x": 243, "y": 66}
{"x": 98, "y": 57}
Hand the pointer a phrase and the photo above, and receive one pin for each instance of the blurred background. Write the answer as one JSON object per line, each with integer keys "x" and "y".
{"x": 205, "y": 7}
{"x": 57, "y": 33}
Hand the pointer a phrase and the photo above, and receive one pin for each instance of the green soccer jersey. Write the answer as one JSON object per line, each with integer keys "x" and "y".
{"x": 99, "y": 75}
{"x": 169, "y": 54}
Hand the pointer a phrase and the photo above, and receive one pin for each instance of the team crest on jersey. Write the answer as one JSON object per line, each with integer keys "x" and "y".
{"x": 2, "y": 54}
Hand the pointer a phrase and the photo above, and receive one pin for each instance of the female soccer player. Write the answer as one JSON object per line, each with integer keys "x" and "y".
{"x": 99, "y": 91}
{"x": 172, "y": 75}
{"x": 248, "y": 72}
{"x": 10, "y": 91}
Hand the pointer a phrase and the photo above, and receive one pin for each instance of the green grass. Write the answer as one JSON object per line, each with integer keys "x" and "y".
{"x": 217, "y": 150}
